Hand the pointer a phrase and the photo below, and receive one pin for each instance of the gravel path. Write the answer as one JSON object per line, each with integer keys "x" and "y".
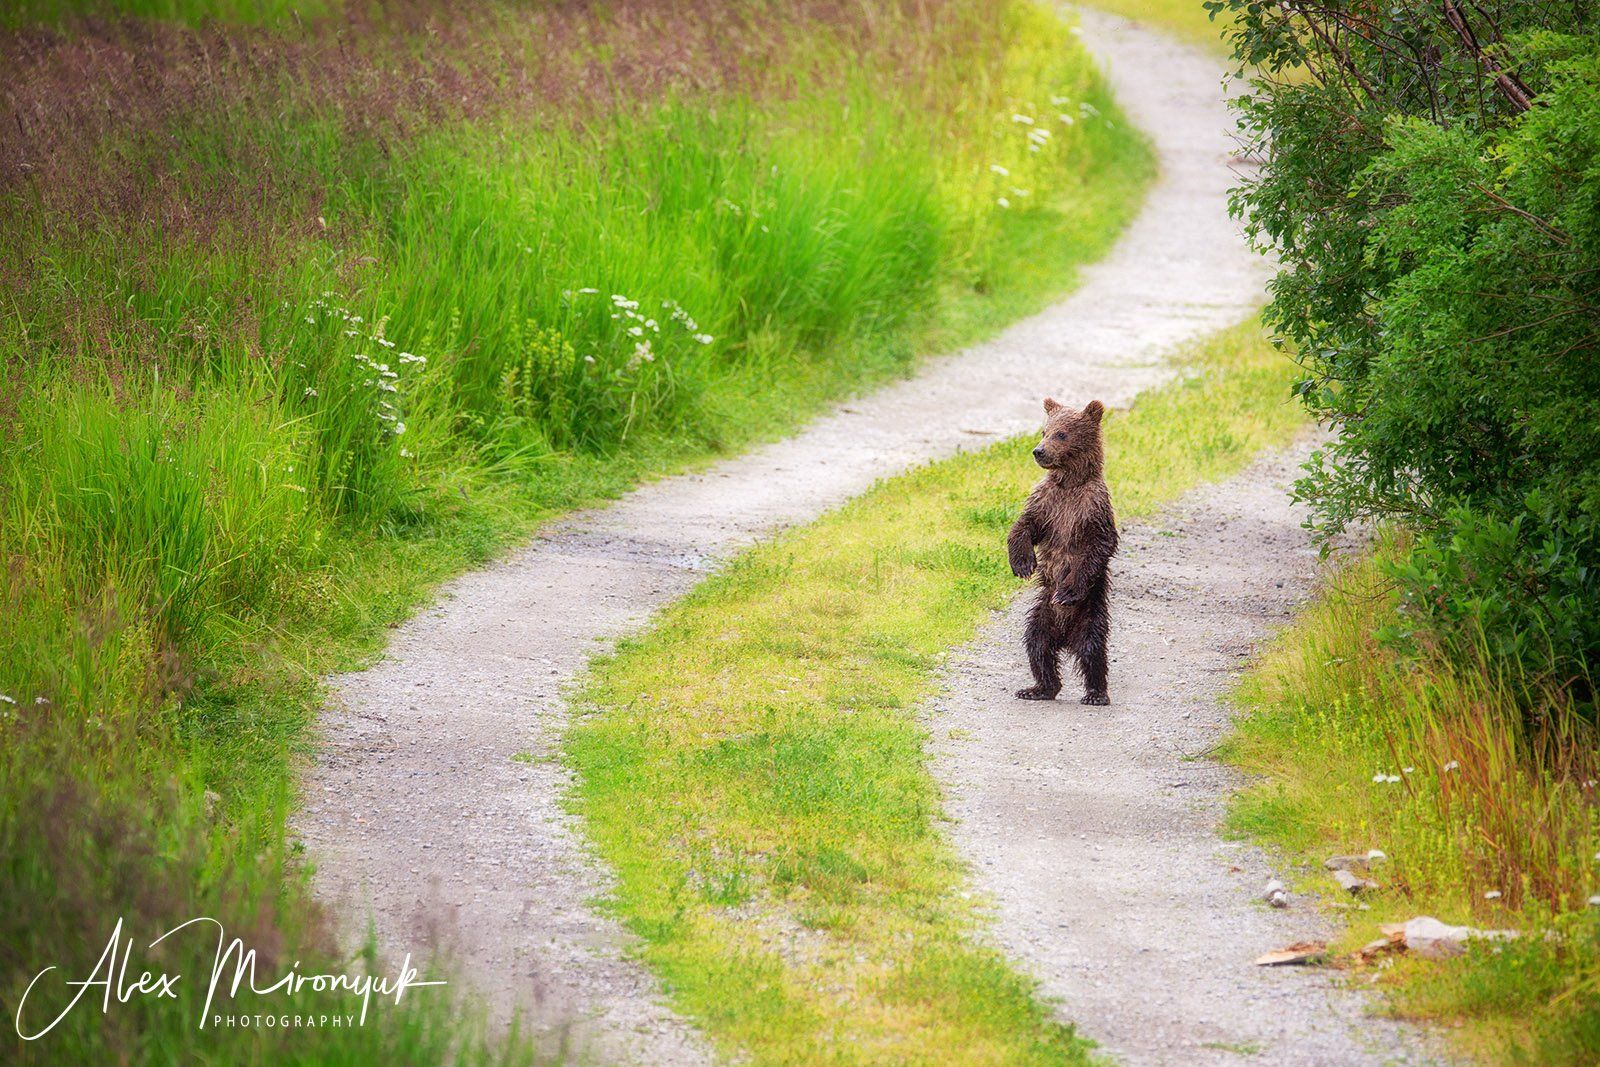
{"x": 418, "y": 813}
{"x": 1094, "y": 830}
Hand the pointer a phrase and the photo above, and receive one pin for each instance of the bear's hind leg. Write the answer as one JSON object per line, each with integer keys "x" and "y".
{"x": 1091, "y": 654}
{"x": 1043, "y": 653}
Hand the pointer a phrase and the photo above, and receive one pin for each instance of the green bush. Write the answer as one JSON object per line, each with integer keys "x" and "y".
{"x": 1432, "y": 186}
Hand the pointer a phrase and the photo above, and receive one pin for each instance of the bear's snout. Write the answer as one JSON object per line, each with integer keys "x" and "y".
{"x": 1038, "y": 455}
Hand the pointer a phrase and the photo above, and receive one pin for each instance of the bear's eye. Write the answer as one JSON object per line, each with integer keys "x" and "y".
{"x": 1059, "y": 436}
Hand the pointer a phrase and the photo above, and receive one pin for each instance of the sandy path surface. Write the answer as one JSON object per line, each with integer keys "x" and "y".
{"x": 1094, "y": 830}
{"x": 418, "y": 815}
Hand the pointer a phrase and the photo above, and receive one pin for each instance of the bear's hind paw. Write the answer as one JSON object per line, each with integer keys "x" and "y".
{"x": 1097, "y": 699}
{"x": 1037, "y": 692}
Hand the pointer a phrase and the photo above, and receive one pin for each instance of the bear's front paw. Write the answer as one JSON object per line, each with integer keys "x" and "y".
{"x": 1037, "y": 692}
{"x": 1024, "y": 566}
{"x": 1097, "y": 699}
{"x": 1066, "y": 596}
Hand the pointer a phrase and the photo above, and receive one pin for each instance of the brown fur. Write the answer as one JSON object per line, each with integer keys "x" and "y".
{"x": 1067, "y": 534}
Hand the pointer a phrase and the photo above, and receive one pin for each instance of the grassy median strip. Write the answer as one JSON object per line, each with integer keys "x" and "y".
{"x": 1185, "y": 19}
{"x": 753, "y": 768}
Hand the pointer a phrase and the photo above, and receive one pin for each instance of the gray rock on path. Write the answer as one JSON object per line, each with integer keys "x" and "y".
{"x": 1353, "y": 883}
{"x": 1431, "y": 939}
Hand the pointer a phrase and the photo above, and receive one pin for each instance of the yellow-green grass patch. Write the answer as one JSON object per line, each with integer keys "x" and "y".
{"x": 1187, "y": 20}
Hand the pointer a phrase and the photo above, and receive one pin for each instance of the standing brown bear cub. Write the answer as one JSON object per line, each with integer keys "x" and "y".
{"x": 1068, "y": 533}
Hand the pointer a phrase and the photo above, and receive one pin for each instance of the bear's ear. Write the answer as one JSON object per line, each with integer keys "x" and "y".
{"x": 1094, "y": 410}
{"x": 1052, "y": 406}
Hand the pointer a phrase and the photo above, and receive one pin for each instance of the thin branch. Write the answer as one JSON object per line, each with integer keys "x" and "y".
{"x": 1554, "y": 233}
{"x": 1509, "y": 85}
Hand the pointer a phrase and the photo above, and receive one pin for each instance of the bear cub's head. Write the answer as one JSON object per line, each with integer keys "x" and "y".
{"x": 1071, "y": 438}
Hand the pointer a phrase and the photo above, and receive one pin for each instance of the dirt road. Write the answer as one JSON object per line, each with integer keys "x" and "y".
{"x": 1094, "y": 830}
{"x": 435, "y": 803}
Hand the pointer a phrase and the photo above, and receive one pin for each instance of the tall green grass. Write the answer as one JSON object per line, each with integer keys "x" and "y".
{"x": 318, "y": 366}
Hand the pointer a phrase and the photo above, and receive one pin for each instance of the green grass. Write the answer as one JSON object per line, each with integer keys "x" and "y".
{"x": 188, "y": 12}
{"x": 206, "y": 500}
{"x": 1488, "y": 801}
{"x": 753, "y": 768}
{"x": 1185, "y": 19}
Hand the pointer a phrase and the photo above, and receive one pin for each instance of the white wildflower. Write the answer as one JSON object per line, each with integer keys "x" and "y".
{"x": 309, "y": 392}
{"x": 385, "y": 343}
{"x": 588, "y": 290}
{"x": 7, "y": 698}
{"x": 1003, "y": 202}
{"x": 704, "y": 338}
{"x": 1068, "y": 119}
{"x": 1060, "y": 101}
{"x": 399, "y": 428}
{"x": 588, "y": 359}
{"x": 1453, "y": 765}
{"x": 998, "y": 169}
{"x": 310, "y": 321}
{"x": 636, "y": 331}
{"x": 1024, "y": 119}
